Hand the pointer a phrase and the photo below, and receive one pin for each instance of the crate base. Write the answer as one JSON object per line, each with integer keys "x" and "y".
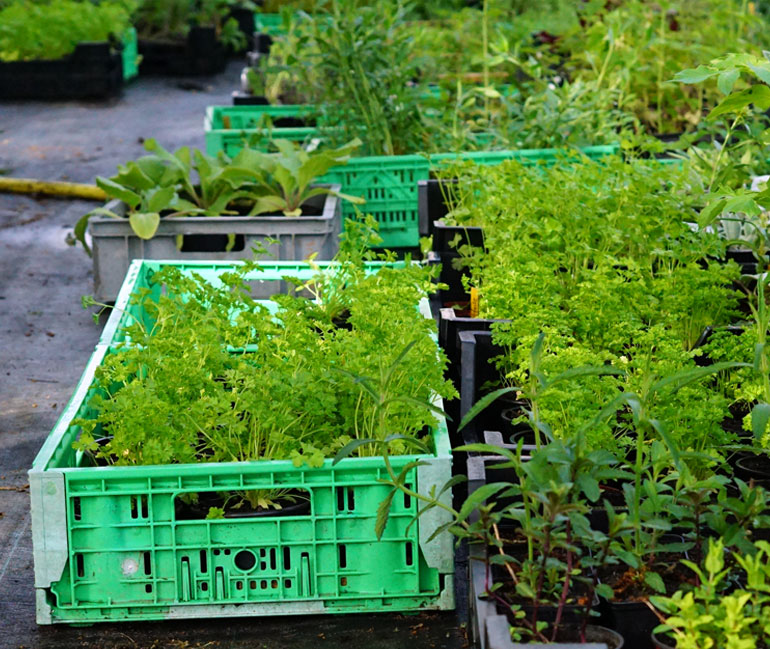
{"x": 47, "y": 614}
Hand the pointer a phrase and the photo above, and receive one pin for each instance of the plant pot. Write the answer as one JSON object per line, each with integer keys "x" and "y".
{"x": 753, "y": 466}
{"x": 594, "y": 634}
{"x": 477, "y": 351}
{"x": 659, "y": 641}
{"x": 206, "y": 500}
{"x": 245, "y": 20}
{"x": 241, "y": 98}
{"x": 293, "y": 238}
{"x": 91, "y": 457}
{"x": 632, "y": 620}
{"x": 431, "y": 205}
{"x": 262, "y": 43}
{"x": 498, "y": 636}
{"x": 199, "y": 54}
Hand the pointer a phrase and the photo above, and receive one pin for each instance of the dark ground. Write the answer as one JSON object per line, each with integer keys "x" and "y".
{"x": 46, "y": 338}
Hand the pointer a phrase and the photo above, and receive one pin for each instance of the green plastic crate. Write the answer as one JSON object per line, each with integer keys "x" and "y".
{"x": 108, "y": 545}
{"x": 273, "y": 23}
{"x": 389, "y": 186}
{"x": 130, "y": 55}
{"x": 269, "y": 24}
{"x": 387, "y": 183}
{"x": 228, "y": 128}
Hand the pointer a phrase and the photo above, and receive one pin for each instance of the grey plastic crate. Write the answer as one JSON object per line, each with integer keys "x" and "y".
{"x": 115, "y": 245}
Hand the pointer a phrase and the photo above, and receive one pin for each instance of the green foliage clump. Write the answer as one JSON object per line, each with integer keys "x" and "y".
{"x": 186, "y": 183}
{"x": 602, "y": 259}
{"x": 210, "y": 374}
{"x": 172, "y": 19}
{"x": 52, "y": 30}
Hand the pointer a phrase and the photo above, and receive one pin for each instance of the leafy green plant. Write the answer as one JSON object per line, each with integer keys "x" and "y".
{"x": 283, "y": 180}
{"x": 540, "y": 539}
{"x": 172, "y": 19}
{"x": 708, "y": 616}
{"x": 30, "y": 31}
{"x": 363, "y": 71}
{"x": 635, "y": 47}
{"x": 252, "y": 183}
{"x": 197, "y": 378}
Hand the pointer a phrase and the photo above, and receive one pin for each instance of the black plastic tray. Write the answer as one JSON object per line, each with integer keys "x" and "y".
{"x": 201, "y": 54}
{"x": 93, "y": 70}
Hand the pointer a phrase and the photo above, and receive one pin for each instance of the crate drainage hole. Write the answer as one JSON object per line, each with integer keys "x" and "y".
{"x": 245, "y": 560}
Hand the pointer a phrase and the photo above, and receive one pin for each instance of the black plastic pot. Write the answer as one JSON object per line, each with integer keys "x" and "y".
{"x": 659, "y": 641}
{"x": 93, "y": 70}
{"x": 633, "y": 620}
{"x": 297, "y": 509}
{"x": 207, "y": 500}
{"x": 245, "y": 20}
{"x": 431, "y": 206}
{"x": 447, "y": 239}
{"x": 262, "y": 43}
{"x": 593, "y": 634}
{"x": 200, "y": 54}
{"x": 99, "y": 461}
{"x": 753, "y": 466}
{"x": 245, "y": 99}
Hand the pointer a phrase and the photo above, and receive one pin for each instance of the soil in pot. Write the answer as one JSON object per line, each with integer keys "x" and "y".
{"x": 629, "y": 615}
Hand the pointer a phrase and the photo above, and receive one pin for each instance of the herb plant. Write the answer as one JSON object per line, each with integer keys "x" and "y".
{"x": 713, "y": 614}
{"x": 30, "y": 31}
{"x": 172, "y": 19}
{"x": 251, "y": 183}
{"x": 198, "y": 378}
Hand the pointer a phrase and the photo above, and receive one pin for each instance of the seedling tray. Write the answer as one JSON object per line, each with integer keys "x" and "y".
{"x": 207, "y": 237}
{"x": 200, "y": 54}
{"x": 93, "y": 70}
{"x": 108, "y": 545}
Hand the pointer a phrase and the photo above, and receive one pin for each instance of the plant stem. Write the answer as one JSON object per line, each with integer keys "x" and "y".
{"x": 661, "y": 62}
{"x": 541, "y": 577}
{"x": 721, "y": 152}
{"x": 485, "y": 44}
{"x": 565, "y": 587}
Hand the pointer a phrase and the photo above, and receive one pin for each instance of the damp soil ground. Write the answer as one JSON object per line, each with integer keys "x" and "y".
{"x": 46, "y": 338}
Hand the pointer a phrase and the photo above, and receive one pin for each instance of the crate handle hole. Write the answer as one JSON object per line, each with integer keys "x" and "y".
{"x": 245, "y": 560}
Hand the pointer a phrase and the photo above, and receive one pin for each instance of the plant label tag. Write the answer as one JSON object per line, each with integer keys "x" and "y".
{"x": 474, "y": 302}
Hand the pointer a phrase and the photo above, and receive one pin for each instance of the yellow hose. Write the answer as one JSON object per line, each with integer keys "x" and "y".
{"x": 51, "y": 188}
